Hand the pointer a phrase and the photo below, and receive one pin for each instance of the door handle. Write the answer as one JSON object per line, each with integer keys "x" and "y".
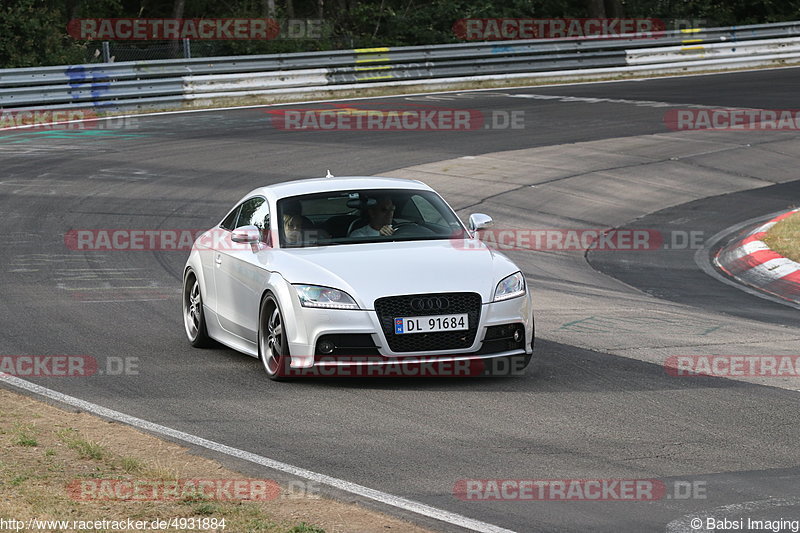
{"x": 218, "y": 259}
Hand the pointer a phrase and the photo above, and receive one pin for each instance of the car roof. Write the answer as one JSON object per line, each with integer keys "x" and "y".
{"x": 307, "y": 186}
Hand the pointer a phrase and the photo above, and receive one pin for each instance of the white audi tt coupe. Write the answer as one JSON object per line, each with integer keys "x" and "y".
{"x": 321, "y": 276}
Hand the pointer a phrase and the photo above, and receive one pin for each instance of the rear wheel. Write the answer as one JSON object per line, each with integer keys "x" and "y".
{"x": 273, "y": 348}
{"x": 194, "y": 317}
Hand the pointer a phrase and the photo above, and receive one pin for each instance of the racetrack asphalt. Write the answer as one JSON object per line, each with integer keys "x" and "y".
{"x": 602, "y": 406}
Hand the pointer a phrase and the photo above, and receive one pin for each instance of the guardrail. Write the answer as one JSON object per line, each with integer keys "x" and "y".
{"x": 183, "y": 83}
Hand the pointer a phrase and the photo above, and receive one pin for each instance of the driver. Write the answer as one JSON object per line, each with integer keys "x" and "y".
{"x": 380, "y": 218}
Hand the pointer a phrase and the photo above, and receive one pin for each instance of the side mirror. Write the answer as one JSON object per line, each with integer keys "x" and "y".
{"x": 247, "y": 235}
{"x": 479, "y": 221}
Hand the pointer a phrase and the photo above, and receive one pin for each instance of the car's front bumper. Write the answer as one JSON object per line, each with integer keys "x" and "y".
{"x": 315, "y": 323}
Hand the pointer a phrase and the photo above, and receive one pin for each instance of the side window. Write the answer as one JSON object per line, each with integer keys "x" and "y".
{"x": 260, "y": 217}
{"x": 409, "y": 210}
{"x": 230, "y": 221}
{"x": 247, "y": 214}
{"x": 427, "y": 210}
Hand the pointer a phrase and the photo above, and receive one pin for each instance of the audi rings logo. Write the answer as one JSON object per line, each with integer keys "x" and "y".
{"x": 430, "y": 304}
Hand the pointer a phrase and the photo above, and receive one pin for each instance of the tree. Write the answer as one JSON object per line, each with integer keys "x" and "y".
{"x": 596, "y": 8}
{"x": 34, "y": 34}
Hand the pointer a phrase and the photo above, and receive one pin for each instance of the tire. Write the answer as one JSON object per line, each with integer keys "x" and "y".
{"x": 273, "y": 348}
{"x": 194, "y": 318}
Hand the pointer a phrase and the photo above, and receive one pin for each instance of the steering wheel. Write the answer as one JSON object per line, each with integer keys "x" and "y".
{"x": 405, "y": 228}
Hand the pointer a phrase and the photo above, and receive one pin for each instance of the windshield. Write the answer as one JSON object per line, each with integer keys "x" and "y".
{"x": 377, "y": 215}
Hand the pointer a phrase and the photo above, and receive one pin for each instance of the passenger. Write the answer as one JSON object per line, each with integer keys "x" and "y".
{"x": 293, "y": 228}
{"x": 298, "y": 229}
{"x": 292, "y": 222}
{"x": 379, "y": 218}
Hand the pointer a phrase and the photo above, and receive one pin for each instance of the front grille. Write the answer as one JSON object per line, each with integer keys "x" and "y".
{"x": 392, "y": 307}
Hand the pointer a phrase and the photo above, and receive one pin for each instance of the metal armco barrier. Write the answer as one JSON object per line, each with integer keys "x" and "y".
{"x": 186, "y": 83}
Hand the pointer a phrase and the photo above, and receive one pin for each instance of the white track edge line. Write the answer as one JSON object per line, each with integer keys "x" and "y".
{"x": 353, "y": 488}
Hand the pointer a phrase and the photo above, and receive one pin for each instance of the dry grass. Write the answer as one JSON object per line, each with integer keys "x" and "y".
{"x": 45, "y": 449}
{"x": 784, "y": 237}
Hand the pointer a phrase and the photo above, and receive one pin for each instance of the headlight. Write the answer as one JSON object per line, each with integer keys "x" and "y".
{"x": 510, "y": 287}
{"x": 324, "y": 297}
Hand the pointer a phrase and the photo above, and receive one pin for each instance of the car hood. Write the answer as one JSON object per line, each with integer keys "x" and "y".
{"x": 373, "y": 270}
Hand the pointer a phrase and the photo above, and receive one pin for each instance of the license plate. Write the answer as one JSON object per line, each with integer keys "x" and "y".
{"x": 430, "y": 324}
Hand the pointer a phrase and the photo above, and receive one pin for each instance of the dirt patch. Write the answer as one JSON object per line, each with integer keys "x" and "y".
{"x": 60, "y": 465}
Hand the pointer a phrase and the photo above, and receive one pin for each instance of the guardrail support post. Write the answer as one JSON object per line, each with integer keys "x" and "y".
{"x": 187, "y": 49}
{"x": 106, "y": 52}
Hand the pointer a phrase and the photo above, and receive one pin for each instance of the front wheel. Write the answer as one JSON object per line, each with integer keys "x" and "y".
{"x": 273, "y": 348}
{"x": 194, "y": 317}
